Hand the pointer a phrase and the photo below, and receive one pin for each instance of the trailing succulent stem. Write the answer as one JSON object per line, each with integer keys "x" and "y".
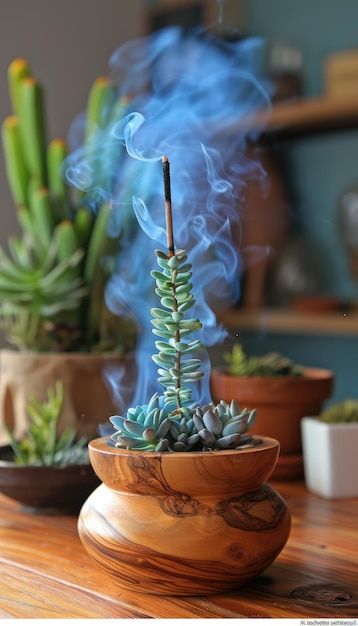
{"x": 175, "y": 366}
{"x": 170, "y": 422}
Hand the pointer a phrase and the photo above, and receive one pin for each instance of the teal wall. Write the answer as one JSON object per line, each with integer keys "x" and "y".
{"x": 338, "y": 354}
{"x": 322, "y": 167}
{"x": 317, "y": 27}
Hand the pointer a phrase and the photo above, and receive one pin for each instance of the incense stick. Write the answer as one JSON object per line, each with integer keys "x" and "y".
{"x": 168, "y": 206}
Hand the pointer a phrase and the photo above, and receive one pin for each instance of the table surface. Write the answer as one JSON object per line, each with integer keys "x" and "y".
{"x": 46, "y": 573}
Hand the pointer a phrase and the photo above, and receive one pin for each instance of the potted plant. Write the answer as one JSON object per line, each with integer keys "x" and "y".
{"x": 44, "y": 471}
{"x": 282, "y": 391}
{"x": 184, "y": 507}
{"x": 330, "y": 443}
{"x": 54, "y": 275}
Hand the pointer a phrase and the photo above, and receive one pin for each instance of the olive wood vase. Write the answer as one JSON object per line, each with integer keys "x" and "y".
{"x": 192, "y": 523}
{"x": 281, "y": 402}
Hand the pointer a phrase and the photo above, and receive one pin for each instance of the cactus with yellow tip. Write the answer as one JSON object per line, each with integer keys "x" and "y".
{"x": 17, "y": 71}
{"x": 100, "y": 101}
{"x": 32, "y": 128}
{"x": 16, "y": 169}
{"x": 52, "y": 279}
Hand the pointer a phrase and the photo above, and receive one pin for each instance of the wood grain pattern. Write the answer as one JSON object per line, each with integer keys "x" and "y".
{"x": 184, "y": 524}
{"x": 45, "y": 571}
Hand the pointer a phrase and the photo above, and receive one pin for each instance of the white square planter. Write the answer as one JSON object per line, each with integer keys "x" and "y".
{"x": 330, "y": 458}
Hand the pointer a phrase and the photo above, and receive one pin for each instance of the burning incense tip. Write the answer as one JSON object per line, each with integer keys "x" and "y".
{"x": 166, "y": 175}
{"x": 168, "y": 206}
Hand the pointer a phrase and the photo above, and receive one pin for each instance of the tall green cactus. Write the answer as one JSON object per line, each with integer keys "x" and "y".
{"x": 52, "y": 281}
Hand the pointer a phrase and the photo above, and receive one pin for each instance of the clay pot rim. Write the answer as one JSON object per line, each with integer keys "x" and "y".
{"x": 310, "y": 373}
{"x": 100, "y": 445}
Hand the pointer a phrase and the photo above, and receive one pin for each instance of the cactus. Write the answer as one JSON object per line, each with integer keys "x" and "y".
{"x": 32, "y": 128}
{"x": 271, "y": 364}
{"x": 16, "y": 170}
{"x": 56, "y": 155}
{"x": 52, "y": 279}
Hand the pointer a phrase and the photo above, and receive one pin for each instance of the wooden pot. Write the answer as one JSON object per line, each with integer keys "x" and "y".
{"x": 189, "y": 523}
{"x": 281, "y": 402}
{"x": 87, "y": 395}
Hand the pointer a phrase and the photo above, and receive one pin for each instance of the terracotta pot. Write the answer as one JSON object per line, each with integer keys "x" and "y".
{"x": 189, "y": 523}
{"x": 87, "y": 396}
{"x": 281, "y": 402}
{"x": 46, "y": 488}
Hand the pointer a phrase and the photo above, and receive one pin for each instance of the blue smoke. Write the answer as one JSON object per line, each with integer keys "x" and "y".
{"x": 180, "y": 96}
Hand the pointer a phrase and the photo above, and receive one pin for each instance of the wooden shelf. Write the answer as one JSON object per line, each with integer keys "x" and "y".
{"x": 304, "y": 117}
{"x": 292, "y": 120}
{"x": 283, "y": 321}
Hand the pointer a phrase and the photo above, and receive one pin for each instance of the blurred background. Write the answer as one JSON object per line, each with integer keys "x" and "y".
{"x": 300, "y": 299}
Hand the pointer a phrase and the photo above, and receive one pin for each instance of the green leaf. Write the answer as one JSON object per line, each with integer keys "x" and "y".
{"x": 168, "y": 302}
{"x": 165, "y": 334}
{"x": 184, "y": 288}
{"x": 159, "y": 313}
{"x": 162, "y": 346}
{"x": 133, "y": 428}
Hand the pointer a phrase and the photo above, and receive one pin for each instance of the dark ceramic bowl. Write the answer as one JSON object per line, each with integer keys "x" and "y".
{"x": 41, "y": 487}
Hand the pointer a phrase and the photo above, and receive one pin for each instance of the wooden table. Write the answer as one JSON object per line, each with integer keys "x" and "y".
{"x": 46, "y": 573}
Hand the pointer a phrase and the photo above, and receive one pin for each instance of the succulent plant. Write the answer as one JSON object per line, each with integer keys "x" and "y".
{"x": 41, "y": 445}
{"x": 271, "y": 364}
{"x": 170, "y": 422}
{"x": 53, "y": 277}
{"x": 206, "y": 428}
{"x": 344, "y": 411}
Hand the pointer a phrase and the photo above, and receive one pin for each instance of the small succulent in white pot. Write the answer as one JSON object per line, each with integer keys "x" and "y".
{"x": 330, "y": 443}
